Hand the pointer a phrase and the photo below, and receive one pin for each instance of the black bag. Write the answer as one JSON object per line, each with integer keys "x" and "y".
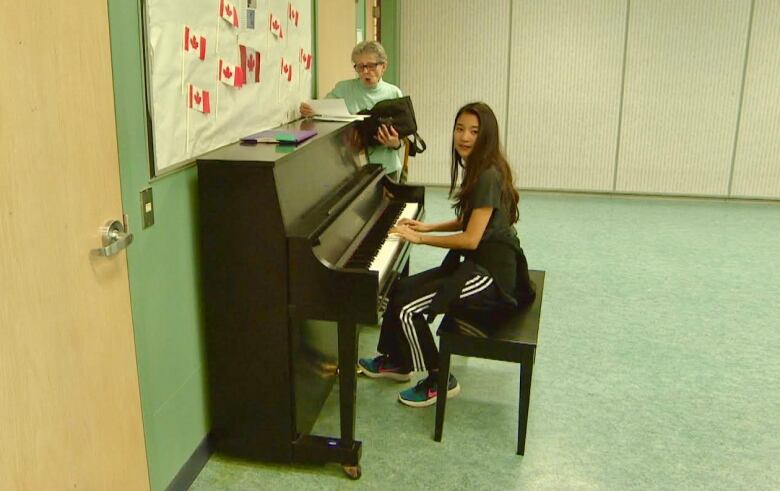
{"x": 396, "y": 112}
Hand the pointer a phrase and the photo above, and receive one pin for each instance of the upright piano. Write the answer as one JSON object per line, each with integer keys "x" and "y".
{"x": 294, "y": 256}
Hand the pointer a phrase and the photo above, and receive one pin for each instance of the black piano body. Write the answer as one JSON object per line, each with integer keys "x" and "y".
{"x": 278, "y": 225}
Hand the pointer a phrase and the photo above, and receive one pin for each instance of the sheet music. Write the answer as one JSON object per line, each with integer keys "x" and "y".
{"x": 333, "y": 110}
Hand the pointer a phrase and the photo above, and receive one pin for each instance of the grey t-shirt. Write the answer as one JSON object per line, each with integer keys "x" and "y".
{"x": 497, "y": 251}
{"x": 487, "y": 193}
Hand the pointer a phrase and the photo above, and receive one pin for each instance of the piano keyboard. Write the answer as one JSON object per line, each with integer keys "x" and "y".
{"x": 387, "y": 251}
{"x": 377, "y": 251}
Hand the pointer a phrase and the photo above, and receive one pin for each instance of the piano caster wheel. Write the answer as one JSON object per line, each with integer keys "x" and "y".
{"x": 353, "y": 471}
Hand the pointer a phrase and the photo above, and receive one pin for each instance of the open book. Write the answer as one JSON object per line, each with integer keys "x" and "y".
{"x": 333, "y": 110}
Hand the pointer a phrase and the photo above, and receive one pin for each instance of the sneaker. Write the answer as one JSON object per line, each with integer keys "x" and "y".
{"x": 424, "y": 393}
{"x": 383, "y": 367}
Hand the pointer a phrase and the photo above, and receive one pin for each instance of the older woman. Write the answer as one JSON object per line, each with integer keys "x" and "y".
{"x": 370, "y": 62}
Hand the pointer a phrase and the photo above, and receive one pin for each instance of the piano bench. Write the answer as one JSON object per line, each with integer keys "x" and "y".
{"x": 514, "y": 340}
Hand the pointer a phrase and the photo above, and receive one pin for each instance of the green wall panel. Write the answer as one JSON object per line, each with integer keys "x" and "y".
{"x": 163, "y": 264}
{"x": 391, "y": 39}
{"x": 164, "y": 270}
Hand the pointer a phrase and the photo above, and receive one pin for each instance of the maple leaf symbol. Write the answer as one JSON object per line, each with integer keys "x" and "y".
{"x": 194, "y": 42}
{"x": 197, "y": 97}
{"x": 227, "y": 72}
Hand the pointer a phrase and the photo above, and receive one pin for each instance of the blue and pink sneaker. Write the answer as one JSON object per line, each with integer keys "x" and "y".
{"x": 383, "y": 367}
{"x": 424, "y": 393}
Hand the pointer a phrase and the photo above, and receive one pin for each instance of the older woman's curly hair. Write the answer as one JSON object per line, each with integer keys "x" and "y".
{"x": 369, "y": 48}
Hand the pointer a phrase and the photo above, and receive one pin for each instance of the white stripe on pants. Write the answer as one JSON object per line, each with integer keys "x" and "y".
{"x": 419, "y": 305}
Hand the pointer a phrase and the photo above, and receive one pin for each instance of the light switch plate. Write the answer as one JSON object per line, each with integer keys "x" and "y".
{"x": 147, "y": 208}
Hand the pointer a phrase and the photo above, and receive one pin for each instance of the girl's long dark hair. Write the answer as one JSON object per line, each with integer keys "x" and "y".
{"x": 485, "y": 153}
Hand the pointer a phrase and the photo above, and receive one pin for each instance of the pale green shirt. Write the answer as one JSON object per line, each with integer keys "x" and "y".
{"x": 359, "y": 97}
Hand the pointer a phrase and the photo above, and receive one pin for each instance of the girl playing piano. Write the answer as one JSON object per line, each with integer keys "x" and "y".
{"x": 484, "y": 276}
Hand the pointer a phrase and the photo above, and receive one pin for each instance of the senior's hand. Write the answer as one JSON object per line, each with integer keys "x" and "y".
{"x": 387, "y": 136}
{"x": 306, "y": 110}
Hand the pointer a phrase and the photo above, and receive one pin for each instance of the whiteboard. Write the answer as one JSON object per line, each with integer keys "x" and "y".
{"x": 205, "y": 87}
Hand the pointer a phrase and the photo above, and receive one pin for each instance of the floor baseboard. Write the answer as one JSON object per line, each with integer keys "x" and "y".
{"x": 190, "y": 470}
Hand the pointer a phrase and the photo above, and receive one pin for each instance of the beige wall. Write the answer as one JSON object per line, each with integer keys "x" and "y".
{"x": 681, "y": 99}
{"x": 673, "y": 97}
{"x": 757, "y": 162}
{"x": 452, "y": 52}
{"x": 565, "y": 92}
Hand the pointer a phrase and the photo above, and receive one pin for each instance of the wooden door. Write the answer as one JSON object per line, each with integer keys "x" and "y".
{"x": 69, "y": 397}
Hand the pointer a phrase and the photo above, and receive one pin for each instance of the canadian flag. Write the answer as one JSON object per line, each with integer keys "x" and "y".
{"x": 305, "y": 59}
{"x": 287, "y": 70}
{"x": 194, "y": 43}
{"x": 250, "y": 64}
{"x": 276, "y": 26}
{"x": 292, "y": 14}
{"x": 229, "y": 12}
{"x": 198, "y": 99}
{"x": 231, "y": 75}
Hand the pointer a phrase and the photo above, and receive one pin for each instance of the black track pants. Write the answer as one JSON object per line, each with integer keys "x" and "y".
{"x": 405, "y": 334}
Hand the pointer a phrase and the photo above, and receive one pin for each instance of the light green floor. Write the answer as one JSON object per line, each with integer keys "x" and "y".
{"x": 658, "y": 364}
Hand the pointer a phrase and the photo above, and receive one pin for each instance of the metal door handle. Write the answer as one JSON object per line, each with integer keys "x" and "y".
{"x": 115, "y": 238}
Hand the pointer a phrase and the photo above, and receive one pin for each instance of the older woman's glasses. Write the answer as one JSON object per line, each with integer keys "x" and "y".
{"x": 359, "y": 67}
